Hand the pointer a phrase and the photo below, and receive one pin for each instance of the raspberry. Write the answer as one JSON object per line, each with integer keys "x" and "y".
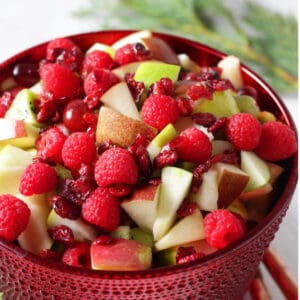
{"x": 243, "y": 130}
{"x": 49, "y": 145}
{"x": 116, "y": 166}
{"x": 96, "y": 60}
{"x": 59, "y": 82}
{"x": 14, "y": 216}
{"x": 59, "y": 44}
{"x": 101, "y": 208}
{"x": 38, "y": 178}
{"x": 222, "y": 228}
{"x": 277, "y": 141}
{"x": 160, "y": 110}
{"x": 79, "y": 148}
{"x": 164, "y": 86}
{"x": 99, "y": 81}
{"x": 131, "y": 53}
{"x": 194, "y": 146}
{"x": 78, "y": 255}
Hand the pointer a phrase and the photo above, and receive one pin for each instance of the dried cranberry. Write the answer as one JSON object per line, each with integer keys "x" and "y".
{"x": 70, "y": 58}
{"x": 228, "y": 157}
{"x": 136, "y": 88}
{"x": 206, "y": 73}
{"x": 164, "y": 86}
{"x": 197, "y": 175}
{"x": 185, "y": 106}
{"x": 220, "y": 123}
{"x": 65, "y": 208}
{"x": 120, "y": 190}
{"x": 105, "y": 146}
{"x": 138, "y": 146}
{"x": 49, "y": 254}
{"x": 168, "y": 156}
{"x": 141, "y": 52}
{"x": 62, "y": 234}
{"x": 144, "y": 165}
{"x": 190, "y": 257}
{"x": 197, "y": 91}
{"x": 93, "y": 100}
{"x": 219, "y": 85}
{"x": 186, "y": 208}
{"x": 204, "y": 119}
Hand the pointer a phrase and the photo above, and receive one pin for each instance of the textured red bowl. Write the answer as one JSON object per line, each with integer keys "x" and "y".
{"x": 222, "y": 275}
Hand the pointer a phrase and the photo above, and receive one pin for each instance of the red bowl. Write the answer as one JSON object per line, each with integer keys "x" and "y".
{"x": 225, "y": 274}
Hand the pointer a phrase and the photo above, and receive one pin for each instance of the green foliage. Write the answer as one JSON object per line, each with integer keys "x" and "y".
{"x": 262, "y": 39}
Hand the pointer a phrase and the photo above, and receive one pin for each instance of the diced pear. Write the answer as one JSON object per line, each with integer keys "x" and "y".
{"x": 219, "y": 146}
{"x": 151, "y": 71}
{"x": 102, "y": 47}
{"x": 223, "y": 104}
{"x": 125, "y": 69}
{"x": 122, "y": 231}
{"x": 188, "y": 64}
{"x": 257, "y": 169}
{"x": 231, "y": 70}
{"x": 132, "y": 38}
{"x": 119, "y": 98}
{"x": 164, "y": 137}
{"x": 175, "y": 185}
{"x": 186, "y": 230}
{"x": 142, "y": 236}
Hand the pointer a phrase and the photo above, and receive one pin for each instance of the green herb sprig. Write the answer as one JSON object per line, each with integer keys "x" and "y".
{"x": 265, "y": 40}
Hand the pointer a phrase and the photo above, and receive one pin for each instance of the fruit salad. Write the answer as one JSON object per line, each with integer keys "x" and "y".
{"x": 130, "y": 156}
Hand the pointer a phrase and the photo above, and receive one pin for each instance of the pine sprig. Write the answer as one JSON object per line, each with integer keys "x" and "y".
{"x": 271, "y": 48}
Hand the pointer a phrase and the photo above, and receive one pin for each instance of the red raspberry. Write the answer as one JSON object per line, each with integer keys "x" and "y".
{"x": 243, "y": 130}
{"x": 79, "y": 148}
{"x": 160, "y": 110}
{"x": 59, "y": 44}
{"x": 222, "y": 228}
{"x": 96, "y": 60}
{"x": 131, "y": 53}
{"x": 49, "y": 145}
{"x": 116, "y": 166}
{"x": 59, "y": 82}
{"x": 277, "y": 141}
{"x": 38, "y": 178}
{"x": 14, "y": 216}
{"x": 194, "y": 146}
{"x": 99, "y": 81}
{"x": 101, "y": 208}
{"x": 78, "y": 256}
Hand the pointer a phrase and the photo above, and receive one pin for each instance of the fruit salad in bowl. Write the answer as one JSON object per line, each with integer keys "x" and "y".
{"x": 133, "y": 160}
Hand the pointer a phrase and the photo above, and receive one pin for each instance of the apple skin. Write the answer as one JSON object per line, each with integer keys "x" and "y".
{"x": 118, "y": 128}
{"x": 120, "y": 255}
{"x": 141, "y": 206}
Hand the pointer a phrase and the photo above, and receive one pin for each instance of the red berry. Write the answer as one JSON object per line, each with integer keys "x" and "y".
{"x": 14, "y": 216}
{"x": 131, "y": 53}
{"x": 116, "y": 166}
{"x": 59, "y": 82}
{"x": 277, "y": 141}
{"x": 78, "y": 255}
{"x": 96, "y": 60}
{"x": 79, "y": 148}
{"x": 38, "y": 178}
{"x": 160, "y": 110}
{"x": 243, "y": 130}
{"x": 99, "y": 81}
{"x": 222, "y": 228}
{"x": 49, "y": 145}
{"x": 194, "y": 146}
{"x": 101, "y": 208}
{"x": 59, "y": 44}
{"x": 62, "y": 234}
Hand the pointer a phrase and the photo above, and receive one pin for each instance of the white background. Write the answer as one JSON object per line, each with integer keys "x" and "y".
{"x": 30, "y": 22}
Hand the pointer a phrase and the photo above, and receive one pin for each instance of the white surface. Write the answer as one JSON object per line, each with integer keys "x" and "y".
{"x": 26, "y": 23}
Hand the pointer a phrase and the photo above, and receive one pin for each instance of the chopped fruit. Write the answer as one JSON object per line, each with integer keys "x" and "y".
{"x": 14, "y": 216}
{"x": 78, "y": 255}
{"x": 120, "y": 254}
{"x": 247, "y": 104}
{"x": 38, "y": 178}
{"x": 78, "y": 148}
{"x": 238, "y": 207}
{"x": 266, "y": 116}
{"x": 277, "y": 141}
{"x": 159, "y": 110}
{"x": 223, "y": 228}
{"x": 102, "y": 209}
{"x": 243, "y": 131}
{"x": 132, "y": 38}
{"x": 102, "y": 47}
{"x": 187, "y": 63}
{"x": 142, "y": 236}
{"x": 131, "y": 52}
{"x": 122, "y": 231}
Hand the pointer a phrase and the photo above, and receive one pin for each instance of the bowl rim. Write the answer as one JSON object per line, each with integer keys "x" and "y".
{"x": 281, "y": 204}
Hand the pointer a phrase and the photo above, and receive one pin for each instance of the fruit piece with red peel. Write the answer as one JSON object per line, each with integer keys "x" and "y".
{"x": 119, "y": 254}
{"x": 141, "y": 206}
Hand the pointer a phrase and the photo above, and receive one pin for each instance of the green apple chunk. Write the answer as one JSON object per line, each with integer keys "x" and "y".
{"x": 119, "y": 98}
{"x": 175, "y": 185}
{"x": 164, "y": 137}
{"x": 35, "y": 237}
{"x": 13, "y": 162}
{"x": 121, "y": 255}
{"x": 22, "y": 108}
{"x": 142, "y": 236}
{"x": 81, "y": 230}
{"x": 151, "y": 71}
{"x": 141, "y": 206}
{"x": 223, "y": 104}
{"x": 247, "y": 104}
{"x": 188, "y": 229}
{"x": 102, "y": 47}
{"x": 122, "y": 231}
{"x": 257, "y": 169}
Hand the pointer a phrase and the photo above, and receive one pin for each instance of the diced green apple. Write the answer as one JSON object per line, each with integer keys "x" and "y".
{"x": 257, "y": 169}
{"x": 122, "y": 231}
{"x": 247, "y": 104}
{"x": 151, "y": 71}
{"x": 81, "y": 230}
{"x": 119, "y": 98}
{"x": 120, "y": 255}
{"x": 164, "y": 137}
{"x": 175, "y": 185}
{"x": 141, "y": 206}
{"x": 142, "y": 236}
{"x": 186, "y": 230}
